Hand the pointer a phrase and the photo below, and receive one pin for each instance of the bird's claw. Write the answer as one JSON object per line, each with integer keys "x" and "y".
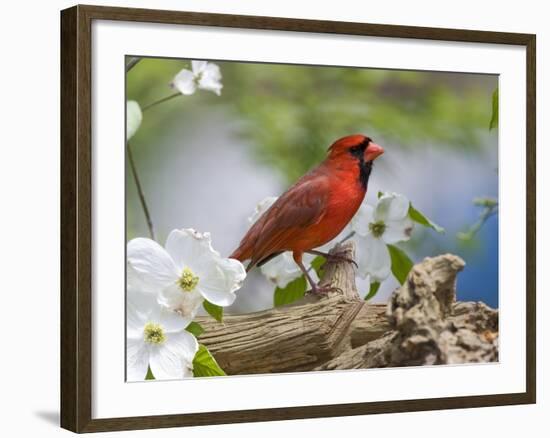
{"x": 323, "y": 290}
{"x": 342, "y": 258}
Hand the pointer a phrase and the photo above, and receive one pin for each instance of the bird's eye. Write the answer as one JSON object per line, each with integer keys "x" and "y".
{"x": 356, "y": 151}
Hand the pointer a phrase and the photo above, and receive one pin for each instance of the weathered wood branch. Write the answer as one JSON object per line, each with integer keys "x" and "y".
{"x": 422, "y": 324}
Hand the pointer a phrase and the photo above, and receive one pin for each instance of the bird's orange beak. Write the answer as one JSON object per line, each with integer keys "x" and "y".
{"x": 373, "y": 151}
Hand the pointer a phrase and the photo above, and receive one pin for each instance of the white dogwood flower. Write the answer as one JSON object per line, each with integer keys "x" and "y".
{"x": 282, "y": 269}
{"x": 374, "y": 228}
{"x": 204, "y": 75}
{"x": 184, "y": 273}
{"x": 156, "y": 338}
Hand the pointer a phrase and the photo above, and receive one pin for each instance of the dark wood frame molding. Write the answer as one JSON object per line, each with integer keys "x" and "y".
{"x": 76, "y": 219}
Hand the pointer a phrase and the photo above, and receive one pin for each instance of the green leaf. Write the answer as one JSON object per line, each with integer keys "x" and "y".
{"x": 317, "y": 265}
{"x": 485, "y": 202}
{"x": 494, "y": 117}
{"x": 292, "y": 292}
{"x": 373, "y": 290}
{"x": 133, "y": 118}
{"x": 195, "y": 329}
{"x": 418, "y": 217}
{"x": 380, "y": 194}
{"x": 204, "y": 364}
{"x": 214, "y": 311}
{"x": 149, "y": 375}
{"x": 401, "y": 264}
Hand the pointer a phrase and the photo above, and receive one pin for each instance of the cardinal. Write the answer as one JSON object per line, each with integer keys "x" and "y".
{"x": 315, "y": 209}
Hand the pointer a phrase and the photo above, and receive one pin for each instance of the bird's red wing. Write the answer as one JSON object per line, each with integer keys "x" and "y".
{"x": 299, "y": 207}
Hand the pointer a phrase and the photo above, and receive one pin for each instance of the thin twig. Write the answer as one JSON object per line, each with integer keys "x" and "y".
{"x": 485, "y": 215}
{"x": 140, "y": 191}
{"x": 349, "y": 236}
{"x": 132, "y": 61}
{"x": 156, "y": 102}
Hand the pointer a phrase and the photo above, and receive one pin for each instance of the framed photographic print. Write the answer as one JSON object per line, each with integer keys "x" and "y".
{"x": 268, "y": 218}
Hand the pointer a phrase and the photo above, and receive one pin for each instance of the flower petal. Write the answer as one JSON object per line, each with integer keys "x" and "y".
{"x": 184, "y": 344}
{"x": 189, "y": 248}
{"x": 170, "y": 320}
{"x": 198, "y": 66}
{"x": 391, "y": 207}
{"x": 281, "y": 270}
{"x": 165, "y": 364}
{"x": 221, "y": 280}
{"x": 184, "y": 82}
{"x": 139, "y": 306}
{"x": 398, "y": 231}
{"x": 134, "y": 323}
{"x": 185, "y": 303}
{"x": 136, "y": 283}
{"x": 134, "y": 117}
{"x": 137, "y": 359}
{"x": 172, "y": 359}
{"x": 210, "y": 78}
{"x": 373, "y": 258}
{"x": 364, "y": 216}
{"x": 151, "y": 264}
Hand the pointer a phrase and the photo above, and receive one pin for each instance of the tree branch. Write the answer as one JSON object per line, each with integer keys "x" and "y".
{"x": 422, "y": 324}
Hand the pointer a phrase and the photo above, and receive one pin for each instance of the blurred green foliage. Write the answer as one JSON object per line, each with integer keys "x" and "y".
{"x": 292, "y": 113}
{"x": 494, "y": 118}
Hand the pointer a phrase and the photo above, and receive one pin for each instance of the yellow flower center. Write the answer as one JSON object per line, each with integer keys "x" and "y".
{"x": 377, "y": 228}
{"x": 153, "y": 333}
{"x": 188, "y": 281}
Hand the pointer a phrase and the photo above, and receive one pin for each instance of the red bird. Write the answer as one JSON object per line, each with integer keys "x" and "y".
{"x": 315, "y": 209}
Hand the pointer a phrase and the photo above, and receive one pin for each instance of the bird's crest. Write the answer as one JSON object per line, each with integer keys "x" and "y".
{"x": 345, "y": 143}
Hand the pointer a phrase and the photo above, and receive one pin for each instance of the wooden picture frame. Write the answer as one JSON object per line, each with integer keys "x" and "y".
{"x": 76, "y": 217}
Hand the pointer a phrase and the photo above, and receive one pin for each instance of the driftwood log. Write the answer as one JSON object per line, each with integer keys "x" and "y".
{"x": 421, "y": 324}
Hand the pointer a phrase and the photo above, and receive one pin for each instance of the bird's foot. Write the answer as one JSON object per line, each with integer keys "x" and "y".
{"x": 340, "y": 257}
{"x": 323, "y": 290}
